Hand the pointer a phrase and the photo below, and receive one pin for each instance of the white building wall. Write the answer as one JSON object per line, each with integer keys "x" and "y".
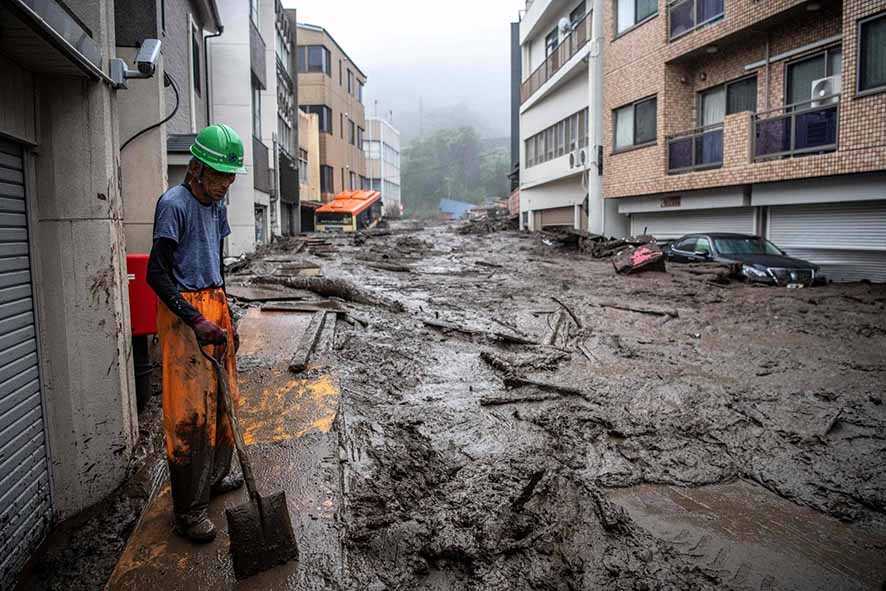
{"x": 230, "y": 76}
{"x": 268, "y": 30}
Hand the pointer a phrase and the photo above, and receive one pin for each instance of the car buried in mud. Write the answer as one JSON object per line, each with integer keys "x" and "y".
{"x": 758, "y": 260}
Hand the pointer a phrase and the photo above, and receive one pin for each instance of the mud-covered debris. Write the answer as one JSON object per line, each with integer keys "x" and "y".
{"x": 329, "y": 287}
{"x": 489, "y": 220}
{"x": 634, "y": 259}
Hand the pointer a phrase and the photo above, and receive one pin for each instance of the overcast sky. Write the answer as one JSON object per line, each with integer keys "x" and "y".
{"x": 448, "y": 54}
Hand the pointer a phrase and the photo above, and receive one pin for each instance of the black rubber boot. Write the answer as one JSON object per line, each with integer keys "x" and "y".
{"x": 229, "y": 483}
{"x": 196, "y": 528}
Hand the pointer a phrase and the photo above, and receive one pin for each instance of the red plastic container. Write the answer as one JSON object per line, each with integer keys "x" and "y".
{"x": 142, "y": 299}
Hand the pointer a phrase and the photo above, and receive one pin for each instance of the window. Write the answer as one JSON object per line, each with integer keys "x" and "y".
{"x": 340, "y": 76}
{"x": 872, "y": 54}
{"x": 577, "y": 14}
{"x": 344, "y": 179}
{"x": 687, "y": 245}
{"x": 354, "y": 182}
{"x": 726, "y": 99}
{"x": 360, "y": 91}
{"x": 314, "y": 59}
{"x": 350, "y": 82}
{"x": 360, "y": 138}
{"x": 551, "y": 41}
{"x": 256, "y": 112}
{"x": 801, "y": 74}
{"x": 302, "y": 166}
{"x": 324, "y": 115}
{"x": 341, "y": 125}
{"x": 195, "y": 59}
{"x": 352, "y": 132}
{"x": 635, "y": 125}
{"x": 703, "y": 245}
{"x": 633, "y": 12}
{"x": 557, "y": 140}
{"x": 326, "y": 180}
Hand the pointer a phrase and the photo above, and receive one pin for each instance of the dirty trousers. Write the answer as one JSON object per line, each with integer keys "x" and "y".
{"x": 199, "y": 440}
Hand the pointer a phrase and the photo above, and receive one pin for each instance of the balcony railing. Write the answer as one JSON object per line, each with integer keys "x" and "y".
{"x": 696, "y": 149}
{"x": 567, "y": 48}
{"x": 685, "y": 16}
{"x": 809, "y": 127}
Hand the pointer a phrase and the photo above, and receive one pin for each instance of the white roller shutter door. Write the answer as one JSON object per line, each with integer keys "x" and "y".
{"x": 673, "y": 224}
{"x": 848, "y": 240}
{"x": 25, "y": 507}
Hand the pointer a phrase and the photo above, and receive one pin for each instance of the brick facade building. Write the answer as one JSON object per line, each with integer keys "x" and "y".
{"x": 718, "y": 115}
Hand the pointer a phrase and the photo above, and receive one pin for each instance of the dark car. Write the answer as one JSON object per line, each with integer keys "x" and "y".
{"x": 760, "y": 260}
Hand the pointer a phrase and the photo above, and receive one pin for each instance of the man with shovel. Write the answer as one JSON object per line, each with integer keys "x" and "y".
{"x": 185, "y": 269}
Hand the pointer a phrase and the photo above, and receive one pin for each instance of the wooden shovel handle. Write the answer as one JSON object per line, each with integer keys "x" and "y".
{"x": 228, "y": 404}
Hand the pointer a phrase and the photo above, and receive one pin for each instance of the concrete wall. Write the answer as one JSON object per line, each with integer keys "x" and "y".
{"x": 309, "y": 140}
{"x": 81, "y": 296}
{"x": 143, "y": 162}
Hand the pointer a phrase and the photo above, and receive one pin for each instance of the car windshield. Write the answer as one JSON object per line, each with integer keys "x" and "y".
{"x": 745, "y": 246}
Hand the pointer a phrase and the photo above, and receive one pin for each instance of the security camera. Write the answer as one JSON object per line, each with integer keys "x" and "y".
{"x": 148, "y": 56}
{"x": 146, "y": 62}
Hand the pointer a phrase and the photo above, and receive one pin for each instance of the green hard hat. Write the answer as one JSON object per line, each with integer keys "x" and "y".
{"x": 220, "y": 148}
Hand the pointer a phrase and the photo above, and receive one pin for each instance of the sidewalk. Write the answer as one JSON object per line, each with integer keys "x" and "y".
{"x": 287, "y": 422}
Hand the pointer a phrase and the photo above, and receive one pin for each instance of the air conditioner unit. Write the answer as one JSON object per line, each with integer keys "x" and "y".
{"x": 824, "y": 89}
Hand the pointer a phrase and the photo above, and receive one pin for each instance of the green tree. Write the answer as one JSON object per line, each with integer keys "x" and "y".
{"x": 450, "y": 163}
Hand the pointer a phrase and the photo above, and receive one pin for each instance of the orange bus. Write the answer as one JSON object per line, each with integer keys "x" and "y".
{"x": 349, "y": 212}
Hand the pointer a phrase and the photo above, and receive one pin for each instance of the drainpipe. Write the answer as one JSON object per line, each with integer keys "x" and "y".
{"x": 596, "y": 204}
{"x": 768, "y": 71}
{"x": 220, "y": 29}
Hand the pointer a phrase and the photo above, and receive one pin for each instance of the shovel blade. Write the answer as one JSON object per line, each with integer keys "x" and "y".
{"x": 260, "y": 544}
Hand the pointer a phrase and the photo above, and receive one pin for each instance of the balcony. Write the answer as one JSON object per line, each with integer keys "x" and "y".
{"x": 567, "y": 48}
{"x": 803, "y": 128}
{"x": 696, "y": 149}
{"x": 261, "y": 168}
{"x": 685, "y": 16}
{"x": 257, "y": 55}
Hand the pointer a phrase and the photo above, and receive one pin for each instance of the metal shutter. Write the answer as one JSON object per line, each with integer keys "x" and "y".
{"x": 673, "y": 224}
{"x": 25, "y": 508}
{"x": 848, "y": 240}
{"x": 558, "y": 216}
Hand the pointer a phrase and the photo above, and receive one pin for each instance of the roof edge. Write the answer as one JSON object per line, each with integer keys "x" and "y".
{"x": 320, "y": 29}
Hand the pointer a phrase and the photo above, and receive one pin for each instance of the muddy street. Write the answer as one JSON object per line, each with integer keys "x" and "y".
{"x": 451, "y": 411}
{"x": 664, "y": 433}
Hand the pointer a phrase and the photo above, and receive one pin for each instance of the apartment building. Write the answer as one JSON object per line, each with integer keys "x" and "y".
{"x": 560, "y": 93}
{"x": 242, "y": 67}
{"x": 154, "y": 157}
{"x": 67, "y": 404}
{"x": 330, "y": 86}
{"x": 382, "y": 149}
{"x": 286, "y": 214}
{"x": 748, "y": 116}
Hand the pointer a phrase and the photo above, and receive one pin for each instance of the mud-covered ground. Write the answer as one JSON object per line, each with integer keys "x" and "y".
{"x": 486, "y": 427}
{"x": 448, "y": 484}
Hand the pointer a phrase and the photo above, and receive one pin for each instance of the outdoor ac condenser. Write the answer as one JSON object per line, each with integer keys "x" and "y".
{"x": 825, "y": 89}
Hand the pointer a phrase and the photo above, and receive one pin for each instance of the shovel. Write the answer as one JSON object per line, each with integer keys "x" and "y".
{"x": 261, "y": 528}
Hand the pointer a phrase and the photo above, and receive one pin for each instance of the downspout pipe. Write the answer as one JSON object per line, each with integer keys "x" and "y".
{"x": 219, "y": 29}
{"x": 596, "y": 204}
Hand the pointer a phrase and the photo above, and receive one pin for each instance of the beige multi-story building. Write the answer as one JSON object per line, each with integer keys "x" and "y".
{"x": 330, "y": 86}
{"x": 752, "y": 117}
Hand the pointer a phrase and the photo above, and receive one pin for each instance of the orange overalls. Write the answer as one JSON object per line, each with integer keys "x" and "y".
{"x": 199, "y": 440}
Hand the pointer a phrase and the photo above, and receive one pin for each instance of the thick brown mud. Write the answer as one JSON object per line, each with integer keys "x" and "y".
{"x": 448, "y": 485}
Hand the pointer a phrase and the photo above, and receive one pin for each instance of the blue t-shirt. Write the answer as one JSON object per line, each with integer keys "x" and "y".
{"x": 198, "y": 230}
